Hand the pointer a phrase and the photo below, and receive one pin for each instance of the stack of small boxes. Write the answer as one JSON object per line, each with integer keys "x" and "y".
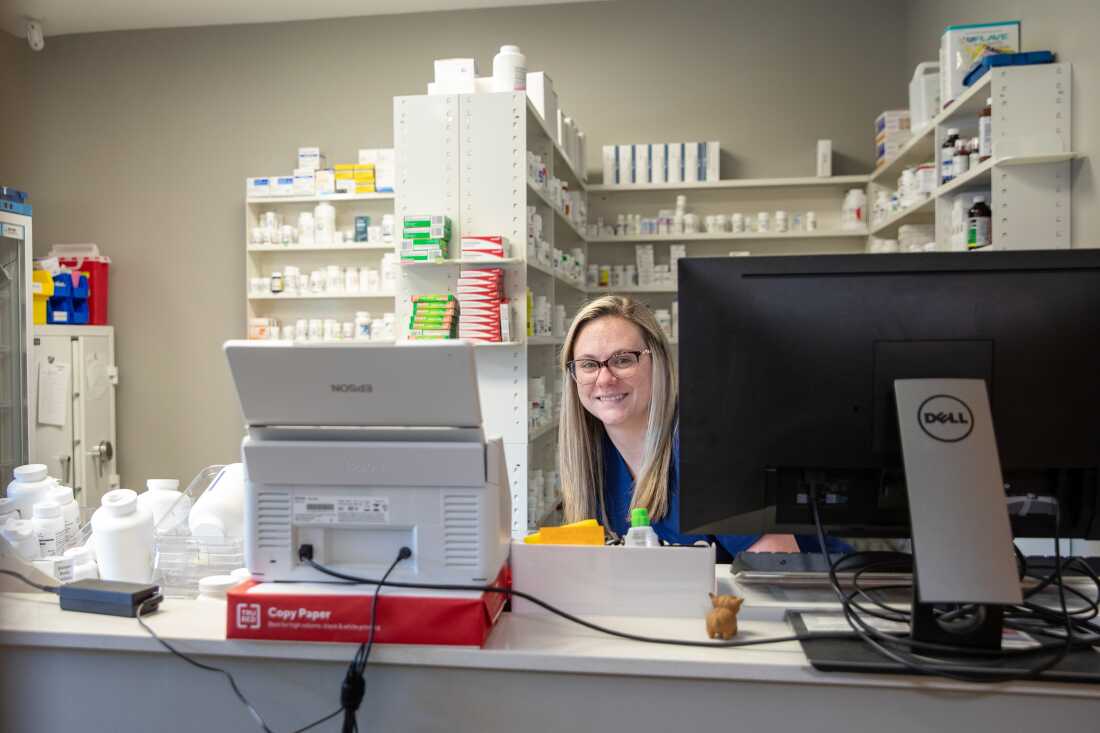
{"x": 484, "y": 315}
{"x": 425, "y": 238}
{"x": 434, "y": 317}
{"x": 490, "y": 247}
{"x": 353, "y": 178}
{"x": 891, "y": 134}
{"x": 643, "y": 254}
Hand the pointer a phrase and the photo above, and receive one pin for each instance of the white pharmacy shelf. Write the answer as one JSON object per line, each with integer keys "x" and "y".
{"x": 466, "y": 263}
{"x": 497, "y": 344}
{"x": 325, "y": 296}
{"x": 561, "y": 217}
{"x": 635, "y": 289}
{"x": 357, "y": 247}
{"x": 800, "y": 182}
{"x": 547, "y": 270}
{"x": 919, "y": 213}
{"x": 545, "y": 340}
{"x": 920, "y": 147}
{"x": 982, "y": 175}
{"x": 318, "y": 199}
{"x": 545, "y": 430}
{"x": 758, "y": 236}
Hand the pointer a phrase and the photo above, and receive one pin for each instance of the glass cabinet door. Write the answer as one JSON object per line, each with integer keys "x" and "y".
{"x": 13, "y": 338}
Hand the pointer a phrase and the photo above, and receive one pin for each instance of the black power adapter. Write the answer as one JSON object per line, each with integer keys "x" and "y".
{"x": 111, "y": 597}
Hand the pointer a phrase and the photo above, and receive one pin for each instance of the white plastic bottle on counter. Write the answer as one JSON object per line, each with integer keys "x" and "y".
{"x": 49, "y": 528}
{"x": 123, "y": 538}
{"x": 20, "y": 535}
{"x": 640, "y": 533}
{"x": 213, "y": 588}
{"x": 509, "y": 70}
{"x": 161, "y": 497}
{"x": 31, "y": 485}
{"x": 70, "y": 514}
{"x": 219, "y": 512}
{"x": 84, "y": 566}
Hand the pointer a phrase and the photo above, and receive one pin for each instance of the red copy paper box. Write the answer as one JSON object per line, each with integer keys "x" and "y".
{"x": 293, "y": 613}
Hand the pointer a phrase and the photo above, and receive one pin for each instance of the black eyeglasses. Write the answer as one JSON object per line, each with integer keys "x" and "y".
{"x": 622, "y": 365}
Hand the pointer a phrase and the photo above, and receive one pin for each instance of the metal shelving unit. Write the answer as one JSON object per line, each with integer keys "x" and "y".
{"x": 464, "y": 156}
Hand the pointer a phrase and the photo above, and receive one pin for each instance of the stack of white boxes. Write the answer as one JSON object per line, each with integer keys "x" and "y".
{"x": 891, "y": 134}
{"x": 645, "y": 163}
{"x": 675, "y": 252}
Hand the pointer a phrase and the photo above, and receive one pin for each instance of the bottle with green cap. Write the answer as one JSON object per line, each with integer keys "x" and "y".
{"x": 640, "y": 533}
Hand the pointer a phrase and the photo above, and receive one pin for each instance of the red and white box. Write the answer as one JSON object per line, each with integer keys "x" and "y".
{"x": 483, "y": 247}
{"x": 341, "y": 613}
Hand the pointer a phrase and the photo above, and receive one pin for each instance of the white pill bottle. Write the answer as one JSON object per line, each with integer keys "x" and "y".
{"x": 123, "y": 532}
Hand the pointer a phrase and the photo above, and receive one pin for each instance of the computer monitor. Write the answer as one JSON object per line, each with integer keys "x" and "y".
{"x": 787, "y": 369}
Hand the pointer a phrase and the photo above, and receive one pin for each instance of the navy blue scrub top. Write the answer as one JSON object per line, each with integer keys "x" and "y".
{"x": 619, "y": 490}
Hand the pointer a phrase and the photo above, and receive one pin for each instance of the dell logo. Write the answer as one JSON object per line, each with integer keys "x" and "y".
{"x": 362, "y": 388}
{"x": 945, "y": 418}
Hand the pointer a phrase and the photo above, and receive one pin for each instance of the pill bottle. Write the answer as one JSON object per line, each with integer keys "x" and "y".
{"x": 31, "y": 485}
{"x": 123, "y": 538}
{"x": 49, "y": 528}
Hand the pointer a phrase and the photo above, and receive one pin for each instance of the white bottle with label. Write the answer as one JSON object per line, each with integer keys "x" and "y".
{"x": 31, "y": 485}
{"x": 640, "y": 533}
{"x": 49, "y": 528}
{"x": 218, "y": 513}
{"x": 70, "y": 513}
{"x": 509, "y": 70}
{"x": 19, "y": 534}
{"x": 168, "y": 506}
{"x": 123, "y": 538}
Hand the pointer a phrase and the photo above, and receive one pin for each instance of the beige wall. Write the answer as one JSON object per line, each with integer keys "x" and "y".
{"x": 14, "y": 90}
{"x": 1069, "y": 28}
{"x": 141, "y": 142}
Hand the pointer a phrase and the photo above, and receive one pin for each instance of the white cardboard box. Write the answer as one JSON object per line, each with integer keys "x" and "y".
{"x": 591, "y": 580}
{"x": 641, "y": 163}
{"x": 824, "y": 158}
{"x": 714, "y": 160}
{"x": 676, "y": 162}
{"x": 610, "y": 169}
{"x": 540, "y": 90}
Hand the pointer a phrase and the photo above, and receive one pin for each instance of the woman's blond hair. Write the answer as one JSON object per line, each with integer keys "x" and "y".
{"x": 580, "y": 435}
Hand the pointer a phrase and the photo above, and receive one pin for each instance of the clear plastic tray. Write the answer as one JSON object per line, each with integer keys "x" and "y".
{"x": 180, "y": 560}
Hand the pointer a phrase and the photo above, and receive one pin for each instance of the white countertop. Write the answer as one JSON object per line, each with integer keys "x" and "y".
{"x": 518, "y": 642}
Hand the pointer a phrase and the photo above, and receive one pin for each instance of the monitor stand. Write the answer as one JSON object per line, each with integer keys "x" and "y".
{"x": 962, "y": 539}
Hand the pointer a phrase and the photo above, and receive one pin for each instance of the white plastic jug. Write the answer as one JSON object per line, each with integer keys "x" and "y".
{"x": 123, "y": 538}
{"x": 169, "y": 507}
{"x": 924, "y": 95}
{"x": 218, "y": 513}
{"x": 32, "y": 484}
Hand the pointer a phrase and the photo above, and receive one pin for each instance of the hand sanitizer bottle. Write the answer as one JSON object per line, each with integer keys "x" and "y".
{"x": 640, "y": 533}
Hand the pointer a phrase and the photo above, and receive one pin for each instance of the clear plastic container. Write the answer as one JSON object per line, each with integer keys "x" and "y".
{"x": 181, "y": 559}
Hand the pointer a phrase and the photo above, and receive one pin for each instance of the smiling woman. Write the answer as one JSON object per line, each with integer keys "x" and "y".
{"x": 619, "y": 436}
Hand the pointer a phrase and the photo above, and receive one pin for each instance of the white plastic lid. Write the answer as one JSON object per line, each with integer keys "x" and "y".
{"x": 20, "y": 529}
{"x": 158, "y": 484}
{"x": 61, "y": 494}
{"x": 217, "y": 584}
{"x": 510, "y": 49}
{"x": 80, "y": 555}
{"x": 47, "y": 510}
{"x": 31, "y": 472}
{"x": 242, "y": 574}
{"x": 120, "y": 502}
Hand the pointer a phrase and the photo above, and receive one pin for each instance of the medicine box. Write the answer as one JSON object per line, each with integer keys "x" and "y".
{"x": 304, "y": 182}
{"x": 310, "y": 159}
{"x": 256, "y": 187}
{"x": 540, "y": 90}
{"x": 691, "y": 162}
{"x": 385, "y": 171}
{"x": 961, "y": 46}
{"x": 641, "y": 164}
{"x": 610, "y": 164}
{"x": 455, "y": 70}
{"x": 824, "y": 158}
{"x": 625, "y": 157}
{"x": 714, "y": 159}
{"x": 282, "y": 186}
{"x": 658, "y": 163}
{"x": 676, "y": 162}
{"x": 892, "y": 120}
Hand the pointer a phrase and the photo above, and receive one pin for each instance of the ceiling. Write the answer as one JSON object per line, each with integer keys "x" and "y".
{"x": 61, "y": 17}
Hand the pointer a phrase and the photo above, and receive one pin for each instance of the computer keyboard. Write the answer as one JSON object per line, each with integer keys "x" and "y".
{"x": 1044, "y": 564}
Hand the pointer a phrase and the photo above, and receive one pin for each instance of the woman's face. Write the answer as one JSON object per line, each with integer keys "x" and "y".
{"x": 613, "y": 400}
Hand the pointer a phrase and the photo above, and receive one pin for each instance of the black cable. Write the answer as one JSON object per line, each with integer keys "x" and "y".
{"x": 880, "y": 641}
{"x": 314, "y": 724}
{"x": 149, "y": 606}
{"x": 354, "y": 686}
{"x": 570, "y": 617}
{"x": 31, "y": 583}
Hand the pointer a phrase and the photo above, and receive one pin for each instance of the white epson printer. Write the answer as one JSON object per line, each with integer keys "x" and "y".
{"x": 359, "y": 450}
